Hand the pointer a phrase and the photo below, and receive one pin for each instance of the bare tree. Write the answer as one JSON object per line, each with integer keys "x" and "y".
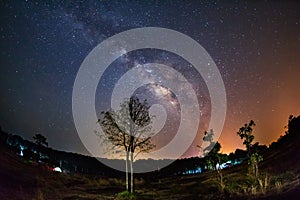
{"x": 129, "y": 129}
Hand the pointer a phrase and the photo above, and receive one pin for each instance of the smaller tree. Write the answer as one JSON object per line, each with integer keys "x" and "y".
{"x": 245, "y": 134}
{"x": 213, "y": 158}
{"x": 208, "y": 137}
{"x": 40, "y": 140}
{"x": 213, "y": 155}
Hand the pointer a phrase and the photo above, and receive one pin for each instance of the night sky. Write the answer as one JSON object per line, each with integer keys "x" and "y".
{"x": 255, "y": 46}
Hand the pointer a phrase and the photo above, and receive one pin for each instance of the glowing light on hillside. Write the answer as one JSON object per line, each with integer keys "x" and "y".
{"x": 57, "y": 169}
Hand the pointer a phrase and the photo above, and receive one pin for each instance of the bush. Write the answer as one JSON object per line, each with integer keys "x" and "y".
{"x": 125, "y": 195}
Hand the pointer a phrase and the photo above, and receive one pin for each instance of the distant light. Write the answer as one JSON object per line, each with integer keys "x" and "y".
{"x": 57, "y": 169}
{"x": 21, "y": 150}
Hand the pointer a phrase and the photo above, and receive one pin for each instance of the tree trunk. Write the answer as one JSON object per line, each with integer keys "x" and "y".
{"x": 131, "y": 171}
{"x": 222, "y": 185}
{"x": 256, "y": 170}
{"x": 127, "y": 181}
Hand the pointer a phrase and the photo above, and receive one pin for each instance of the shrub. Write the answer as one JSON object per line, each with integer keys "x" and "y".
{"x": 125, "y": 195}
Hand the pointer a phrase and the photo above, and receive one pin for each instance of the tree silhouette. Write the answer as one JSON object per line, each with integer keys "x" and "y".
{"x": 208, "y": 138}
{"x": 40, "y": 140}
{"x": 213, "y": 158}
{"x": 245, "y": 134}
{"x": 128, "y": 129}
{"x": 293, "y": 126}
{"x": 291, "y": 134}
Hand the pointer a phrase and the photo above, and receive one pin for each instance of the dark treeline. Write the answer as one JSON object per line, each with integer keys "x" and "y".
{"x": 50, "y": 158}
{"x": 75, "y": 163}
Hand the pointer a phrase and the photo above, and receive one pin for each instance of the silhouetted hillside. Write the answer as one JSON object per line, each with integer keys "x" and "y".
{"x": 284, "y": 154}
